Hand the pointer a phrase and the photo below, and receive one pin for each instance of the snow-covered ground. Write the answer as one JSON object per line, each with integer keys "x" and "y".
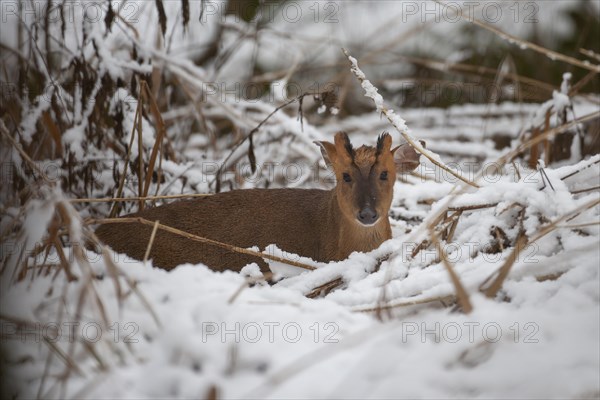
{"x": 536, "y": 339}
{"x": 393, "y": 326}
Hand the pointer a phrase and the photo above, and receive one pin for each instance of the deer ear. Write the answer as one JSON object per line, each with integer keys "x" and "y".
{"x": 328, "y": 152}
{"x": 406, "y": 158}
{"x": 343, "y": 147}
{"x": 384, "y": 143}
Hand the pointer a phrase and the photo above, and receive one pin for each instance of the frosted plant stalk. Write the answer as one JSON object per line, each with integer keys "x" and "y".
{"x": 397, "y": 121}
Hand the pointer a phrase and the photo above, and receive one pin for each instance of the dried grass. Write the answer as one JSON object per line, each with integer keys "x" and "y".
{"x": 442, "y": 222}
{"x": 103, "y": 129}
{"x": 461, "y": 294}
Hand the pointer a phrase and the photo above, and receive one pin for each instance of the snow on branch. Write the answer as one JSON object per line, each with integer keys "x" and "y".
{"x": 397, "y": 121}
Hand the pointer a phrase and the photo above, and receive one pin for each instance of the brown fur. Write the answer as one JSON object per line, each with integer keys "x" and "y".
{"x": 320, "y": 224}
{"x": 364, "y": 156}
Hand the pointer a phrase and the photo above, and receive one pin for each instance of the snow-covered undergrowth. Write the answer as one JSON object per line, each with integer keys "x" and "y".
{"x": 184, "y": 332}
{"x": 119, "y": 107}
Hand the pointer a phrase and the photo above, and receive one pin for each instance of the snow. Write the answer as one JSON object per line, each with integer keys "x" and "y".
{"x": 178, "y": 334}
{"x": 560, "y": 101}
{"x": 271, "y": 341}
{"x": 370, "y": 90}
{"x": 564, "y": 86}
{"x": 287, "y": 345}
{"x": 28, "y": 124}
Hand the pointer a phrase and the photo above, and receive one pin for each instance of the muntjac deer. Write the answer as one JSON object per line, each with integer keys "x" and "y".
{"x": 324, "y": 225}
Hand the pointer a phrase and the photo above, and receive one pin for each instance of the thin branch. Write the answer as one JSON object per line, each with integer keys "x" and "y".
{"x": 22, "y": 152}
{"x": 553, "y": 55}
{"x": 545, "y": 136}
{"x": 325, "y": 288}
{"x": 591, "y": 189}
{"x": 577, "y": 226}
{"x": 161, "y": 134}
{"x": 115, "y": 208}
{"x": 580, "y": 170}
{"x": 520, "y": 244}
{"x": 590, "y": 53}
{"x": 144, "y": 198}
{"x": 150, "y": 242}
{"x": 140, "y": 148}
{"x": 462, "y": 296}
{"x": 254, "y": 130}
{"x": 565, "y": 217}
{"x": 473, "y": 207}
{"x": 389, "y": 306}
{"x": 396, "y": 122}
{"x": 201, "y": 239}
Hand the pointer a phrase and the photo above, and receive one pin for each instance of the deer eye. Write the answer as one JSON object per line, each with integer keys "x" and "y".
{"x": 383, "y": 176}
{"x": 347, "y": 177}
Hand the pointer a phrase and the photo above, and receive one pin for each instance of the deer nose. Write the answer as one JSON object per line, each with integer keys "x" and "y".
{"x": 367, "y": 216}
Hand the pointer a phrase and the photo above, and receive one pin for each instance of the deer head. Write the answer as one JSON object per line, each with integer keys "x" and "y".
{"x": 365, "y": 176}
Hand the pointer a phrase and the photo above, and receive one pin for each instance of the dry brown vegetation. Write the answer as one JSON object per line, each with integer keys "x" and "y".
{"x": 130, "y": 132}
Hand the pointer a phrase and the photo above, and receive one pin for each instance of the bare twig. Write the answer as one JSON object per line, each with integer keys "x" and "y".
{"x": 140, "y": 150}
{"x": 553, "y": 55}
{"x": 151, "y": 241}
{"x": 22, "y": 152}
{"x": 115, "y": 208}
{"x": 144, "y": 198}
{"x": 565, "y": 217}
{"x": 201, "y": 239}
{"x": 461, "y": 294}
{"x": 408, "y": 303}
{"x": 508, "y": 157}
{"x": 580, "y": 170}
{"x": 249, "y": 281}
{"x": 473, "y": 207}
{"x": 577, "y": 226}
{"x": 393, "y": 119}
{"x": 161, "y": 133}
{"x": 248, "y": 136}
{"x": 520, "y": 244}
{"x": 591, "y": 189}
{"x": 325, "y": 288}
{"x": 590, "y": 54}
